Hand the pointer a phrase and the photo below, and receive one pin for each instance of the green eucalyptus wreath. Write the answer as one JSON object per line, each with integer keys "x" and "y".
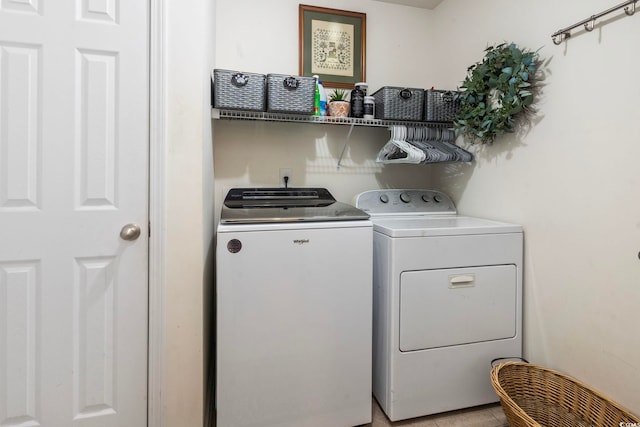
{"x": 496, "y": 93}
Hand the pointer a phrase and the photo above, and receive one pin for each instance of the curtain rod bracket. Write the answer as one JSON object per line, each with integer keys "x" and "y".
{"x": 558, "y": 38}
{"x": 590, "y": 23}
{"x": 630, "y": 10}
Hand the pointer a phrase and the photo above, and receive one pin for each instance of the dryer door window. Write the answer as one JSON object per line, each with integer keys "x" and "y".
{"x": 447, "y": 307}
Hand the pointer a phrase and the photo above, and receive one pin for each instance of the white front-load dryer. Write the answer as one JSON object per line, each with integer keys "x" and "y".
{"x": 447, "y": 301}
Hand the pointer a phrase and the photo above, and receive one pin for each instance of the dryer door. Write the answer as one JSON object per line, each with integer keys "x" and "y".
{"x": 447, "y": 307}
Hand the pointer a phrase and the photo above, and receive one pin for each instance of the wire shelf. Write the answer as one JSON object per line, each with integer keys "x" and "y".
{"x": 326, "y": 120}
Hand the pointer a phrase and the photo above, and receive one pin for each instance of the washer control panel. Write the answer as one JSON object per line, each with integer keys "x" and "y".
{"x": 414, "y": 202}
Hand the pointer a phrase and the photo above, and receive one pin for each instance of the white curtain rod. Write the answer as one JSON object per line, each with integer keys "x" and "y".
{"x": 589, "y": 23}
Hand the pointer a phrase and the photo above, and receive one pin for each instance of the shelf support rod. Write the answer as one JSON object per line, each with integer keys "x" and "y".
{"x": 346, "y": 142}
{"x": 589, "y": 23}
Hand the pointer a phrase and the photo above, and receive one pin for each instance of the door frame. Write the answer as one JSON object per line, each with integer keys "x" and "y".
{"x": 156, "y": 399}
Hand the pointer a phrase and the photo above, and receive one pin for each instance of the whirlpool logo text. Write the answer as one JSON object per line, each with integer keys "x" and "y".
{"x": 301, "y": 241}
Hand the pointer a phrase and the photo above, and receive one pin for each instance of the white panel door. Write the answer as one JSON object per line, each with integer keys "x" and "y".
{"x": 73, "y": 172}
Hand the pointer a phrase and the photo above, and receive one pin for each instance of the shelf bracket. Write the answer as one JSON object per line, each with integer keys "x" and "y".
{"x": 344, "y": 147}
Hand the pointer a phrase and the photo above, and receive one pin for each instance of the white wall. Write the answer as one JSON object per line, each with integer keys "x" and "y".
{"x": 266, "y": 41}
{"x": 208, "y": 213}
{"x": 572, "y": 182}
{"x": 189, "y": 57}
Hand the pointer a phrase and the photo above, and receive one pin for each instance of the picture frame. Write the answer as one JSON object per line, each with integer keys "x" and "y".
{"x": 332, "y": 44}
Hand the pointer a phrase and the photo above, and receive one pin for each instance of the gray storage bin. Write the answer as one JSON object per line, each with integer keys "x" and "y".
{"x": 290, "y": 94}
{"x": 441, "y": 105}
{"x": 398, "y": 103}
{"x": 236, "y": 90}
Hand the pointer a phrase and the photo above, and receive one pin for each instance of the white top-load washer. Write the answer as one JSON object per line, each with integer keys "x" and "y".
{"x": 293, "y": 310}
{"x": 447, "y": 301}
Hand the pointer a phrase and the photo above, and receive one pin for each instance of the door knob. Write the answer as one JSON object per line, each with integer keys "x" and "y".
{"x": 130, "y": 232}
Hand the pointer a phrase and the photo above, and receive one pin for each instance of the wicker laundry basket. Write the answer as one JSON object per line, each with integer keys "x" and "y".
{"x": 533, "y": 396}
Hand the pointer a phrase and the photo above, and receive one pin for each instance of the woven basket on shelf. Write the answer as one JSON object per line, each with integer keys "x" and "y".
{"x": 533, "y": 396}
{"x": 290, "y": 94}
{"x": 239, "y": 91}
{"x": 398, "y": 103}
{"x": 440, "y": 105}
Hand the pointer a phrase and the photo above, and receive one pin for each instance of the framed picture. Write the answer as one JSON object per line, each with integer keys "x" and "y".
{"x": 333, "y": 45}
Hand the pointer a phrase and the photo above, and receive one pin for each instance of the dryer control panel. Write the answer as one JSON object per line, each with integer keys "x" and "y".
{"x": 399, "y": 202}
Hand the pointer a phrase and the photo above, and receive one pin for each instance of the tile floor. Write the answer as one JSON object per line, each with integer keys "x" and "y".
{"x": 481, "y": 416}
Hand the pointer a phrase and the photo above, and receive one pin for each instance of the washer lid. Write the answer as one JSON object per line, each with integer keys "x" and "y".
{"x": 264, "y": 205}
{"x": 433, "y": 225}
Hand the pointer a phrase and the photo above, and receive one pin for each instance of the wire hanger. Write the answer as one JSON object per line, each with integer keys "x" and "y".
{"x": 419, "y": 144}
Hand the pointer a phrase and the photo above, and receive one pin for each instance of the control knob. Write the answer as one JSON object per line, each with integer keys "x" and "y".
{"x": 437, "y": 198}
{"x": 384, "y": 198}
{"x": 425, "y": 198}
{"x": 405, "y": 197}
